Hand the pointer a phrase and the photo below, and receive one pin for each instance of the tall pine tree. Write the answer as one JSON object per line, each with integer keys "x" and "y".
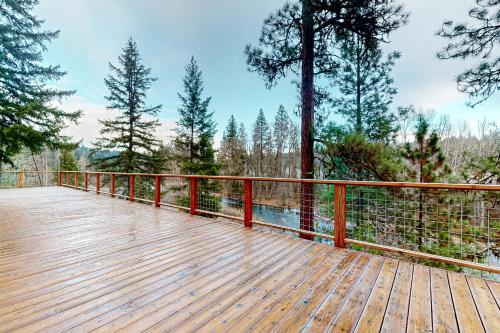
{"x": 366, "y": 89}
{"x": 261, "y": 145}
{"x": 132, "y": 132}
{"x": 27, "y": 117}
{"x": 196, "y": 127}
{"x": 232, "y": 153}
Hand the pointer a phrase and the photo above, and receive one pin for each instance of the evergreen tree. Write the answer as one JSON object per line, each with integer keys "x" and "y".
{"x": 67, "y": 160}
{"x": 476, "y": 41}
{"x": 232, "y": 154}
{"x": 301, "y": 38}
{"x": 367, "y": 91}
{"x": 131, "y": 133}
{"x": 196, "y": 127}
{"x": 281, "y": 135}
{"x": 261, "y": 145}
{"x": 27, "y": 116}
{"x": 430, "y": 165}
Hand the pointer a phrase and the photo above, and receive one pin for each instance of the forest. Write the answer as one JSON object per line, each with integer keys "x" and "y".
{"x": 345, "y": 125}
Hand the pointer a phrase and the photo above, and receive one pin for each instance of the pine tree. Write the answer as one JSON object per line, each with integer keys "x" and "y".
{"x": 27, "y": 116}
{"x": 430, "y": 165}
{"x": 281, "y": 136}
{"x": 366, "y": 89}
{"x": 67, "y": 160}
{"x": 301, "y": 38}
{"x": 131, "y": 134}
{"x": 476, "y": 41}
{"x": 196, "y": 127}
{"x": 261, "y": 145}
{"x": 232, "y": 154}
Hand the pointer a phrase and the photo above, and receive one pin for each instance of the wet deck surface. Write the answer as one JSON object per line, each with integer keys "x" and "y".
{"x": 77, "y": 261}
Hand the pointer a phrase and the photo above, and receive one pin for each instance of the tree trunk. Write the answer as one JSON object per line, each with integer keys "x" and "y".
{"x": 307, "y": 96}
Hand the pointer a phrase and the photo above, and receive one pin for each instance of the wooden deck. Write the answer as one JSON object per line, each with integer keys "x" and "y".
{"x": 77, "y": 261}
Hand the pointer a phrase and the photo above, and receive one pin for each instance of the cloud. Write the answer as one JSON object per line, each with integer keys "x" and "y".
{"x": 88, "y": 127}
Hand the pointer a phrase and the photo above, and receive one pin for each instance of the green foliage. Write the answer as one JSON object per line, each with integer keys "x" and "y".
{"x": 232, "y": 154}
{"x": 345, "y": 155}
{"x": 67, "y": 160}
{"x": 485, "y": 170}
{"x": 476, "y": 41}
{"x": 426, "y": 153}
{"x": 27, "y": 116}
{"x": 131, "y": 133}
{"x": 366, "y": 89}
{"x": 196, "y": 128}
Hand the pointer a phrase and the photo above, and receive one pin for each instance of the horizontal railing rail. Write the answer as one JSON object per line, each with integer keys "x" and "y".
{"x": 455, "y": 225}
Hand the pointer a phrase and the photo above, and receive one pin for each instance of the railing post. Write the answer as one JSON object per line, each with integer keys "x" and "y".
{"x": 59, "y": 178}
{"x": 340, "y": 215}
{"x": 247, "y": 203}
{"x": 86, "y": 184}
{"x": 132, "y": 187}
{"x": 193, "y": 189}
{"x": 98, "y": 183}
{"x": 113, "y": 181}
{"x": 157, "y": 191}
{"x": 67, "y": 178}
{"x": 76, "y": 179}
{"x": 20, "y": 179}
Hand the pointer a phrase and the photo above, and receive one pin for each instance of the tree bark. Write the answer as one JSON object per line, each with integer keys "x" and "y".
{"x": 307, "y": 97}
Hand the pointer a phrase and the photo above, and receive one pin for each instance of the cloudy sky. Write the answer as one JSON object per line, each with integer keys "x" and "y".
{"x": 168, "y": 32}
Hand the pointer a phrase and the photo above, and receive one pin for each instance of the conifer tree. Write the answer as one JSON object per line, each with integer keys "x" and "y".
{"x": 261, "y": 145}
{"x": 67, "y": 160}
{"x": 480, "y": 40}
{"x": 232, "y": 154}
{"x": 430, "y": 165}
{"x": 27, "y": 116}
{"x": 366, "y": 89}
{"x": 281, "y": 134}
{"x": 196, "y": 127}
{"x": 131, "y": 133}
{"x": 300, "y": 38}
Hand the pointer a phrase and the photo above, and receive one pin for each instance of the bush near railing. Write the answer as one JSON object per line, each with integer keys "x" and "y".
{"x": 455, "y": 226}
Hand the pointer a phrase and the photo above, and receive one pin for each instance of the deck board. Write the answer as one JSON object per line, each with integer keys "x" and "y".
{"x": 71, "y": 260}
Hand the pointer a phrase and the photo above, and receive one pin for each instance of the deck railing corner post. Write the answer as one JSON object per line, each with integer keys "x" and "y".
{"x": 339, "y": 228}
{"x": 113, "y": 184}
{"x": 20, "y": 179}
{"x": 247, "y": 203}
{"x": 98, "y": 183}
{"x": 193, "y": 190}
{"x": 157, "y": 191}
{"x": 86, "y": 181}
{"x": 132, "y": 188}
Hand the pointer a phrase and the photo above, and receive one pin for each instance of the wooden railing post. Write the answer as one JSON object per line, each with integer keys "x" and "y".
{"x": 193, "y": 190}
{"x": 340, "y": 215}
{"x": 86, "y": 181}
{"x": 76, "y": 179}
{"x": 20, "y": 179}
{"x": 132, "y": 187}
{"x": 98, "y": 183}
{"x": 113, "y": 182}
{"x": 67, "y": 178}
{"x": 247, "y": 203}
{"x": 157, "y": 191}
{"x": 59, "y": 178}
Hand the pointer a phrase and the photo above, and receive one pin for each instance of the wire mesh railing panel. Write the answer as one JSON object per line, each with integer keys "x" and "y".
{"x": 105, "y": 183}
{"x": 222, "y": 196}
{"x": 144, "y": 188}
{"x": 175, "y": 191}
{"x": 304, "y": 206}
{"x": 39, "y": 179}
{"x": 9, "y": 179}
{"x": 451, "y": 223}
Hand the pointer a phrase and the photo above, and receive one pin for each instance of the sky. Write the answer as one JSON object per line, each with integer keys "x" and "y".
{"x": 169, "y": 32}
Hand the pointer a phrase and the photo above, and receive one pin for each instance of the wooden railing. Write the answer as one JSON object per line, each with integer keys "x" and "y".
{"x": 452, "y": 224}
